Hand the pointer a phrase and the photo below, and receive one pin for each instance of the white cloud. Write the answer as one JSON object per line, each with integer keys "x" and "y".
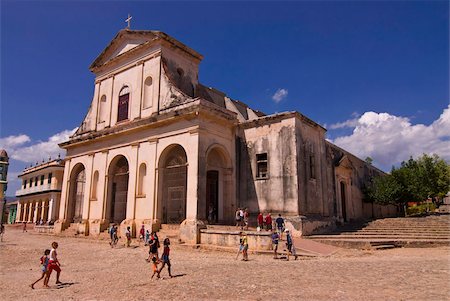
{"x": 351, "y": 123}
{"x": 36, "y": 152}
{"x": 12, "y": 142}
{"x": 390, "y": 139}
{"x": 279, "y": 95}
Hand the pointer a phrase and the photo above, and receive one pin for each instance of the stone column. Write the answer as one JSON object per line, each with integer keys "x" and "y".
{"x": 42, "y": 210}
{"x": 30, "y": 212}
{"x": 19, "y": 207}
{"x": 35, "y": 215}
{"x": 51, "y": 210}
{"x": 190, "y": 227}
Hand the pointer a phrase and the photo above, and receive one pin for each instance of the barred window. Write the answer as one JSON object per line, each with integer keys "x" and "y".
{"x": 261, "y": 166}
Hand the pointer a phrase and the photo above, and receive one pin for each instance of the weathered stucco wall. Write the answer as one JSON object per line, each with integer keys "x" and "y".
{"x": 278, "y": 191}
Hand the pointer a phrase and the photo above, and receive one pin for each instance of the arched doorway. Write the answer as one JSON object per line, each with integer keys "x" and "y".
{"x": 217, "y": 206}
{"x": 76, "y": 193}
{"x": 343, "y": 201}
{"x": 172, "y": 185}
{"x": 116, "y": 206}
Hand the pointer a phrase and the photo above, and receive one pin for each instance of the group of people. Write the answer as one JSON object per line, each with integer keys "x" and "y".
{"x": 265, "y": 222}
{"x": 49, "y": 262}
{"x": 152, "y": 241}
{"x": 242, "y": 216}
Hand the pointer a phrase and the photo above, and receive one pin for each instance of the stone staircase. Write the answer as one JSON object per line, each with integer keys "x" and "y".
{"x": 71, "y": 231}
{"x": 385, "y": 233}
{"x": 171, "y": 231}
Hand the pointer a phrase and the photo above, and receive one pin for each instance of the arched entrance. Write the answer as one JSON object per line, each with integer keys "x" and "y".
{"x": 172, "y": 169}
{"x": 116, "y": 205}
{"x": 217, "y": 207}
{"x": 343, "y": 201}
{"x": 76, "y": 193}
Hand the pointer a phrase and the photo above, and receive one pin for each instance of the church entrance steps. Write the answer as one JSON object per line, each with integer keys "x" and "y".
{"x": 231, "y": 228}
{"x": 281, "y": 251}
{"x": 408, "y": 232}
{"x": 172, "y": 231}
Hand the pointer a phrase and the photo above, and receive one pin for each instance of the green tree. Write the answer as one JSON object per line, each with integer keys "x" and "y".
{"x": 414, "y": 180}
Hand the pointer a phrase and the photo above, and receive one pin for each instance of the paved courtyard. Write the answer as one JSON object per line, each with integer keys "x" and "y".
{"x": 91, "y": 270}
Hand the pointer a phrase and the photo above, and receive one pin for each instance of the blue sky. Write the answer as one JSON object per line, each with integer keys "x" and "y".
{"x": 374, "y": 73}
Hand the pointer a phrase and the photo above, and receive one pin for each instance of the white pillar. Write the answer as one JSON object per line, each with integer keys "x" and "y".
{"x": 30, "y": 212}
{"x": 192, "y": 176}
{"x": 51, "y": 212}
{"x": 132, "y": 181}
{"x": 42, "y": 209}
{"x": 19, "y": 207}
{"x": 35, "y": 215}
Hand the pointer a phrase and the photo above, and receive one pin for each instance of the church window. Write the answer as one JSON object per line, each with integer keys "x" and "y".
{"x": 148, "y": 93}
{"x": 124, "y": 98}
{"x": 142, "y": 176}
{"x": 102, "y": 109}
{"x": 31, "y": 182}
{"x": 36, "y": 181}
{"x": 261, "y": 166}
{"x": 42, "y": 180}
{"x": 24, "y": 184}
{"x": 49, "y": 181}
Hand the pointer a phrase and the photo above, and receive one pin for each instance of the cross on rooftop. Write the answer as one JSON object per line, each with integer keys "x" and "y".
{"x": 128, "y": 20}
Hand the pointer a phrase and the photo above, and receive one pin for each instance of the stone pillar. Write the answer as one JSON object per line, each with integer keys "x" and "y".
{"x": 190, "y": 227}
{"x": 51, "y": 211}
{"x": 35, "y": 214}
{"x": 30, "y": 212}
{"x": 19, "y": 207}
{"x": 42, "y": 210}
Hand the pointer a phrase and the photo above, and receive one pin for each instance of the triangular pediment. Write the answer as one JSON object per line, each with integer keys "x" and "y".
{"x": 125, "y": 41}
{"x": 345, "y": 162}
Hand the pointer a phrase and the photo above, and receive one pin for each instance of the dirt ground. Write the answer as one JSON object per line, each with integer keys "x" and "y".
{"x": 92, "y": 270}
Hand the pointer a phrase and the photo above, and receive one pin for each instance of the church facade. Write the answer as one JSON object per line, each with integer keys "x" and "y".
{"x": 158, "y": 147}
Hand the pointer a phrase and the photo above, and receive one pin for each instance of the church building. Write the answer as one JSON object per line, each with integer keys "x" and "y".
{"x": 158, "y": 147}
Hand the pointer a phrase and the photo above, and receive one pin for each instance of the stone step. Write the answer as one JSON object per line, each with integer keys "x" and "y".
{"x": 371, "y": 243}
{"x": 170, "y": 226}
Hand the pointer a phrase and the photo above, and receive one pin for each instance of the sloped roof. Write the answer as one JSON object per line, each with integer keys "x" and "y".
{"x": 148, "y": 36}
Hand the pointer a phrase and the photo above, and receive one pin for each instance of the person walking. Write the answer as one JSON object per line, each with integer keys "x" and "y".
{"x": 53, "y": 264}
{"x": 111, "y": 231}
{"x": 246, "y": 217}
{"x": 280, "y": 225}
{"x": 290, "y": 245}
{"x": 142, "y": 234}
{"x": 165, "y": 257}
{"x": 275, "y": 238}
{"x": 244, "y": 246}
{"x": 238, "y": 217}
{"x": 24, "y": 229}
{"x": 128, "y": 236}
{"x": 44, "y": 268}
{"x": 260, "y": 220}
{"x": 268, "y": 222}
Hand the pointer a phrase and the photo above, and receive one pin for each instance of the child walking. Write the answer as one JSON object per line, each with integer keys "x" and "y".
{"x": 128, "y": 235}
{"x": 53, "y": 264}
{"x": 155, "y": 262}
{"x": 165, "y": 257}
{"x": 44, "y": 266}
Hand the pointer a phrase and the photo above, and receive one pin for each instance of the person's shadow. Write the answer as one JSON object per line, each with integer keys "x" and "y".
{"x": 64, "y": 285}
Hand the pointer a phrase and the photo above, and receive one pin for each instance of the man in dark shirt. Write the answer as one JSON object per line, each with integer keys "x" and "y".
{"x": 280, "y": 225}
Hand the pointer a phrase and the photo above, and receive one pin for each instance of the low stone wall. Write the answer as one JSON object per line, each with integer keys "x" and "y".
{"x": 256, "y": 240}
{"x": 44, "y": 229}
